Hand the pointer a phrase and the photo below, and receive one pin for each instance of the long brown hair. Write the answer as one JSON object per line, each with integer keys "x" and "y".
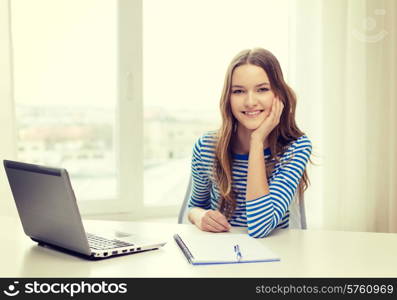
{"x": 282, "y": 135}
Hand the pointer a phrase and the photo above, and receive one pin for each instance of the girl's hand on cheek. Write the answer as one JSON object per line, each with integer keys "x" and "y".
{"x": 269, "y": 123}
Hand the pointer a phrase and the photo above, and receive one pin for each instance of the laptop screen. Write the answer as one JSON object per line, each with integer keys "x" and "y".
{"x": 46, "y": 205}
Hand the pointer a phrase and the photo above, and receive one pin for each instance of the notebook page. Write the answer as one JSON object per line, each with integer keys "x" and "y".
{"x": 219, "y": 247}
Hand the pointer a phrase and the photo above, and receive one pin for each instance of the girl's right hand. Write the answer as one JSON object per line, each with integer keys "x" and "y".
{"x": 212, "y": 221}
{"x": 270, "y": 122}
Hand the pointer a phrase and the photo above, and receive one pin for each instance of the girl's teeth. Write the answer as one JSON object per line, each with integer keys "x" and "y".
{"x": 252, "y": 113}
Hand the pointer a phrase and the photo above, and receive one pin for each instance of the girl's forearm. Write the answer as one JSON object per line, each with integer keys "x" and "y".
{"x": 256, "y": 178}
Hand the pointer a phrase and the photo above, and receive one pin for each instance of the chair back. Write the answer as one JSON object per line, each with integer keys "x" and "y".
{"x": 182, "y": 217}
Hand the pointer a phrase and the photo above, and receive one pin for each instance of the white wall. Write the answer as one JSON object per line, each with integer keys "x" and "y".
{"x": 7, "y": 142}
{"x": 308, "y": 96}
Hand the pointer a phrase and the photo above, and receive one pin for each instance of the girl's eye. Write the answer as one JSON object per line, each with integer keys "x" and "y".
{"x": 237, "y": 91}
{"x": 262, "y": 90}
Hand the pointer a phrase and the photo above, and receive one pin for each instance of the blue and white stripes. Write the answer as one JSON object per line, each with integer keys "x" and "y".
{"x": 260, "y": 215}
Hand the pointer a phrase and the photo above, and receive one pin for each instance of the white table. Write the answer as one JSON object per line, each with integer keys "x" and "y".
{"x": 303, "y": 253}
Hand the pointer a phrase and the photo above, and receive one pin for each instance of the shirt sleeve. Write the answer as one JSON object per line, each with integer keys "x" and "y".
{"x": 200, "y": 195}
{"x": 265, "y": 212}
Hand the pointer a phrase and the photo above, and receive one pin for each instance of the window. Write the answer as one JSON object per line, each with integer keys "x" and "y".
{"x": 66, "y": 93}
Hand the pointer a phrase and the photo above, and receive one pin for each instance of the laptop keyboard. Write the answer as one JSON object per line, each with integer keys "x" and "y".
{"x": 100, "y": 243}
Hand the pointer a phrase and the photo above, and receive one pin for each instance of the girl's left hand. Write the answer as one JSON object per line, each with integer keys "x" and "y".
{"x": 270, "y": 122}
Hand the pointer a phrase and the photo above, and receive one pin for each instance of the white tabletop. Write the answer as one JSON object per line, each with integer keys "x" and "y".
{"x": 303, "y": 253}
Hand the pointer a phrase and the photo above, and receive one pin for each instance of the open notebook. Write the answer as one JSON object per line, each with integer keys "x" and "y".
{"x": 223, "y": 248}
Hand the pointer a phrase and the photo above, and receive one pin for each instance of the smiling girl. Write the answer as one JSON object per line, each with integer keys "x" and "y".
{"x": 248, "y": 172}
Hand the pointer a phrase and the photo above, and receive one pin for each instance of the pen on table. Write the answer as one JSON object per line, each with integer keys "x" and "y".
{"x": 238, "y": 252}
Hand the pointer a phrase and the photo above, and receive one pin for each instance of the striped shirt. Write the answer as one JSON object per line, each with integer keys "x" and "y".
{"x": 260, "y": 215}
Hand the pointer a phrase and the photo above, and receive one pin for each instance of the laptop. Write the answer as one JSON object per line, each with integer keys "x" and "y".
{"x": 49, "y": 214}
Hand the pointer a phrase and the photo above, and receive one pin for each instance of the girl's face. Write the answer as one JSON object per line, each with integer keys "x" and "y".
{"x": 251, "y": 97}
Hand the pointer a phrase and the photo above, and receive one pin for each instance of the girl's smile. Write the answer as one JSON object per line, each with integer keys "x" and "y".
{"x": 252, "y": 113}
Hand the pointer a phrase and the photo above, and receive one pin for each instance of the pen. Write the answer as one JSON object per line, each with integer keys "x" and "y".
{"x": 238, "y": 252}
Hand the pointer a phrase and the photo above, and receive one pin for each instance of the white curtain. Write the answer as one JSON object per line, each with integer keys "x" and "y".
{"x": 7, "y": 132}
{"x": 344, "y": 70}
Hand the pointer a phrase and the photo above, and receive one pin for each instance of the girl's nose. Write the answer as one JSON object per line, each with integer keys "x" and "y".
{"x": 250, "y": 100}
